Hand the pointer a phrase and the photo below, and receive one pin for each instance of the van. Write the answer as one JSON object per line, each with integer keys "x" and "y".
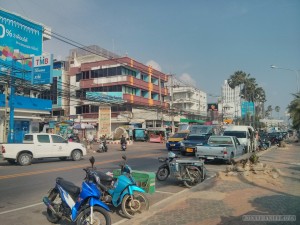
{"x": 245, "y": 135}
{"x": 173, "y": 142}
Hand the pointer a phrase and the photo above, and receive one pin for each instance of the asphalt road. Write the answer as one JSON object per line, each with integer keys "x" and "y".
{"x": 22, "y": 188}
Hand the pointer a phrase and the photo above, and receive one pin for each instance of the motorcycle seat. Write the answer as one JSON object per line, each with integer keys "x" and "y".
{"x": 71, "y": 188}
{"x": 104, "y": 178}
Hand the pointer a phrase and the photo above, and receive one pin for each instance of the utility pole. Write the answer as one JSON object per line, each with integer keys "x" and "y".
{"x": 171, "y": 105}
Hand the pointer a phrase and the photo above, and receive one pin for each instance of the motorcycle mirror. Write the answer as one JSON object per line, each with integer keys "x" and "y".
{"x": 124, "y": 157}
{"x": 92, "y": 160}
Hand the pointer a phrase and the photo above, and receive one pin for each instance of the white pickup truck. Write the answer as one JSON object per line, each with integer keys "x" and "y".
{"x": 220, "y": 147}
{"x": 41, "y": 145}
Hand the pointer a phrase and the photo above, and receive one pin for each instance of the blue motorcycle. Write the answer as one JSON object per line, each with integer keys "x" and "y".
{"x": 123, "y": 192}
{"x": 80, "y": 205}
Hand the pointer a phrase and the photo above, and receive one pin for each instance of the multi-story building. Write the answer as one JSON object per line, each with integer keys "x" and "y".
{"x": 188, "y": 100}
{"x": 134, "y": 92}
{"x": 230, "y": 105}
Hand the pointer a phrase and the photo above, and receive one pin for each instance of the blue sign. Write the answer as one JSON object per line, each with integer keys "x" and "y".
{"x": 42, "y": 71}
{"x": 247, "y": 108}
{"x": 109, "y": 97}
{"x": 19, "y": 38}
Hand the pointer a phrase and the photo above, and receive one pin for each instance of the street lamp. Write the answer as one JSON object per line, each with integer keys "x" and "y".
{"x": 296, "y": 71}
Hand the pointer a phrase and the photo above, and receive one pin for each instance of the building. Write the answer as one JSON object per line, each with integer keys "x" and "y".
{"x": 134, "y": 92}
{"x": 187, "y": 100}
{"x": 230, "y": 104}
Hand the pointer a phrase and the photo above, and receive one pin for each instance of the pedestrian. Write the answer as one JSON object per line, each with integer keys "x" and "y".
{"x": 161, "y": 138}
{"x": 90, "y": 138}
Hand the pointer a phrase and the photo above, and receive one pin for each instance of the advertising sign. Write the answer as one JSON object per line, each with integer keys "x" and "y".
{"x": 42, "y": 71}
{"x": 247, "y": 108}
{"x": 19, "y": 38}
{"x": 104, "y": 120}
{"x": 109, "y": 97}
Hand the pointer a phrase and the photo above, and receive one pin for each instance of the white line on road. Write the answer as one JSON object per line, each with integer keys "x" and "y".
{"x": 17, "y": 209}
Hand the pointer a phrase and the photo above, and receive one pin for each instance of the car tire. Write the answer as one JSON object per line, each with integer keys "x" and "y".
{"x": 76, "y": 155}
{"x": 25, "y": 159}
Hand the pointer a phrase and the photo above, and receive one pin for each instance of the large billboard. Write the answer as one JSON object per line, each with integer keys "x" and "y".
{"x": 19, "y": 40}
{"x": 248, "y": 109}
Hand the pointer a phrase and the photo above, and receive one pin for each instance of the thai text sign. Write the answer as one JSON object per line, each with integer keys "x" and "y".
{"x": 104, "y": 120}
{"x": 19, "y": 38}
{"x": 42, "y": 69}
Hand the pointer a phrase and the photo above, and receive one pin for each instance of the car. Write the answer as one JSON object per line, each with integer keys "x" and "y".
{"x": 189, "y": 144}
{"x": 173, "y": 142}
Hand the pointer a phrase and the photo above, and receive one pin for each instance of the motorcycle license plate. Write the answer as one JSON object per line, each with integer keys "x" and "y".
{"x": 172, "y": 144}
{"x": 210, "y": 157}
{"x": 189, "y": 150}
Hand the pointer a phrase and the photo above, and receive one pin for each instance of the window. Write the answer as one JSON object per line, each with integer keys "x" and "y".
{"x": 28, "y": 138}
{"x": 57, "y": 139}
{"x": 78, "y": 77}
{"x": 43, "y": 138}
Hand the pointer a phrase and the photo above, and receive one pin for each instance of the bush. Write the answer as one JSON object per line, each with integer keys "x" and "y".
{"x": 254, "y": 158}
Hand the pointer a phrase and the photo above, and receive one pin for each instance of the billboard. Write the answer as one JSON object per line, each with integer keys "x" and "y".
{"x": 19, "y": 40}
{"x": 42, "y": 71}
{"x": 108, "y": 97}
{"x": 247, "y": 108}
{"x": 104, "y": 121}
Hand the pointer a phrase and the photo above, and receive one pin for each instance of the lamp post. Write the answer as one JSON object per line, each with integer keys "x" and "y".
{"x": 296, "y": 71}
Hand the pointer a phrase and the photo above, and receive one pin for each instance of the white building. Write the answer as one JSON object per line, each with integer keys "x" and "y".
{"x": 188, "y": 99}
{"x": 230, "y": 101}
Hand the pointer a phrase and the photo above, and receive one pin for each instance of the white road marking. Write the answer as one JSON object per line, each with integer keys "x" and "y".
{"x": 17, "y": 209}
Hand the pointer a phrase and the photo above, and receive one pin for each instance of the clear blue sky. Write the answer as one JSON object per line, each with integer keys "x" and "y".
{"x": 201, "y": 41}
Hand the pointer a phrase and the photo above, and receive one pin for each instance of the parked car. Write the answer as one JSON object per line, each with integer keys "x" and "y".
{"x": 220, "y": 147}
{"x": 173, "y": 142}
{"x": 245, "y": 135}
{"x": 191, "y": 142}
{"x": 41, "y": 145}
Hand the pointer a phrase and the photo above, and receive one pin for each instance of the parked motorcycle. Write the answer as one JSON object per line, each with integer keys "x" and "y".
{"x": 102, "y": 146}
{"x": 80, "y": 205}
{"x": 123, "y": 192}
{"x": 191, "y": 172}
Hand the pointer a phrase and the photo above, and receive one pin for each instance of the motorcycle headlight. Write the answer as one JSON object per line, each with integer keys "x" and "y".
{"x": 182, "y": 144}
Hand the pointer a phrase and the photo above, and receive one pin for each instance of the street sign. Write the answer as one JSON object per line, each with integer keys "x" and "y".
{"x": 42, "y": 69}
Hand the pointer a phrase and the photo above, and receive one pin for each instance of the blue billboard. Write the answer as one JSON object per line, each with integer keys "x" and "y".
{"x": 19, "y": 40}
{"x": 247, "y": 108}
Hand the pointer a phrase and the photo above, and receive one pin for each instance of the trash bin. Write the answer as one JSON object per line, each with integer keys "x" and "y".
{"x": 145, "y": 180}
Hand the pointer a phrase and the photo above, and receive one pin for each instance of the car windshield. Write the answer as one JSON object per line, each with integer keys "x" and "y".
{"x": 220, "y": 140}
{"x": 198, "y": 138}
{"x": 238, "y": 134}
{"x": 179, "y": 135}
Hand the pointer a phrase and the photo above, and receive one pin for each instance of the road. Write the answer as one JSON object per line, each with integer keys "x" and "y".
{"x": 22, "y": 188}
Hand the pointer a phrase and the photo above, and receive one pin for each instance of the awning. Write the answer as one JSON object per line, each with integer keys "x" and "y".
{"x": 183, "y": 120}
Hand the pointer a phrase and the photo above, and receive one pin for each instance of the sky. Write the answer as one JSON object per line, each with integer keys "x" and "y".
{"x": 199, "y": 41}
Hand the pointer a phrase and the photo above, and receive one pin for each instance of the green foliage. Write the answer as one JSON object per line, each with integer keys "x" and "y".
{"x": 294, "y": 111}
{"x": 254, "y": 158}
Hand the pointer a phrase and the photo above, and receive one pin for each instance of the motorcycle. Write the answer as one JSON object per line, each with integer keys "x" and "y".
{"x": 123, "y": 146}
{"x": 123, "y": 192}
{"x": 191, "y": 172}
{"x": 262, "y": 144}
{"x": 80, "y": 205}
{"x": 102, "y": 146}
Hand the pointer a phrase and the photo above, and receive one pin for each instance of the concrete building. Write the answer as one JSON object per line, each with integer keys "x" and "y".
{"x": 230, "y": 104}
{"x": 187, "y": 100}
{"x": 134, "y": 92}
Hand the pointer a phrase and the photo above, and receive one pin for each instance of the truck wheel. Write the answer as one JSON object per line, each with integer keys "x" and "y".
{"x": 24, "y": 159}
{"x": 76, "y": 155}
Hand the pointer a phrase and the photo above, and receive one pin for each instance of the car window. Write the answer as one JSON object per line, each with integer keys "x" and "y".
{"x": 200, "y": 138}
{"x": 43, "y": 138}
{"x": 179, "y": 135}
{"x": 57, "y": 139}
{"x": 238, "y": 134}
{"x": 220, "y": 140}
{"x": 28, "y": 138}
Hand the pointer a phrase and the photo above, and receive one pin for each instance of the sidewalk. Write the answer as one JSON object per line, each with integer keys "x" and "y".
{"x": 224, "y": 200}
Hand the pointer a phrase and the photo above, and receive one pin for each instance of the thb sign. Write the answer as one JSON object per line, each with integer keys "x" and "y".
{"x": 42, "y": 69}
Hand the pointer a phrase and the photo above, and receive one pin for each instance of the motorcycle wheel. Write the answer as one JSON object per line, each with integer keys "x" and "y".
{"x": 100, "y": 216}
{"x": 162, "y": 174}
{"x": 196, "y": 177}
{"x": 137, "y": 205}
{"x": 52, "y": 218}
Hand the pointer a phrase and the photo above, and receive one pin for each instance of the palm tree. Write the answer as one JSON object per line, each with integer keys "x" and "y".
{"x": 269, "y": 111}
{"x": 277, "y": 109}
{"x": 294, "y": 111}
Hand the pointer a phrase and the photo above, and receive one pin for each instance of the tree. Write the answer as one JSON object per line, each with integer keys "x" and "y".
{"x": 294, "y": 111}
{"x": 269, "y": 111}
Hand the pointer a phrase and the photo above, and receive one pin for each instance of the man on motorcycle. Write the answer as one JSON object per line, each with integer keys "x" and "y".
{"x": 103, "y": 140}
{"x": 123, "y": 141}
